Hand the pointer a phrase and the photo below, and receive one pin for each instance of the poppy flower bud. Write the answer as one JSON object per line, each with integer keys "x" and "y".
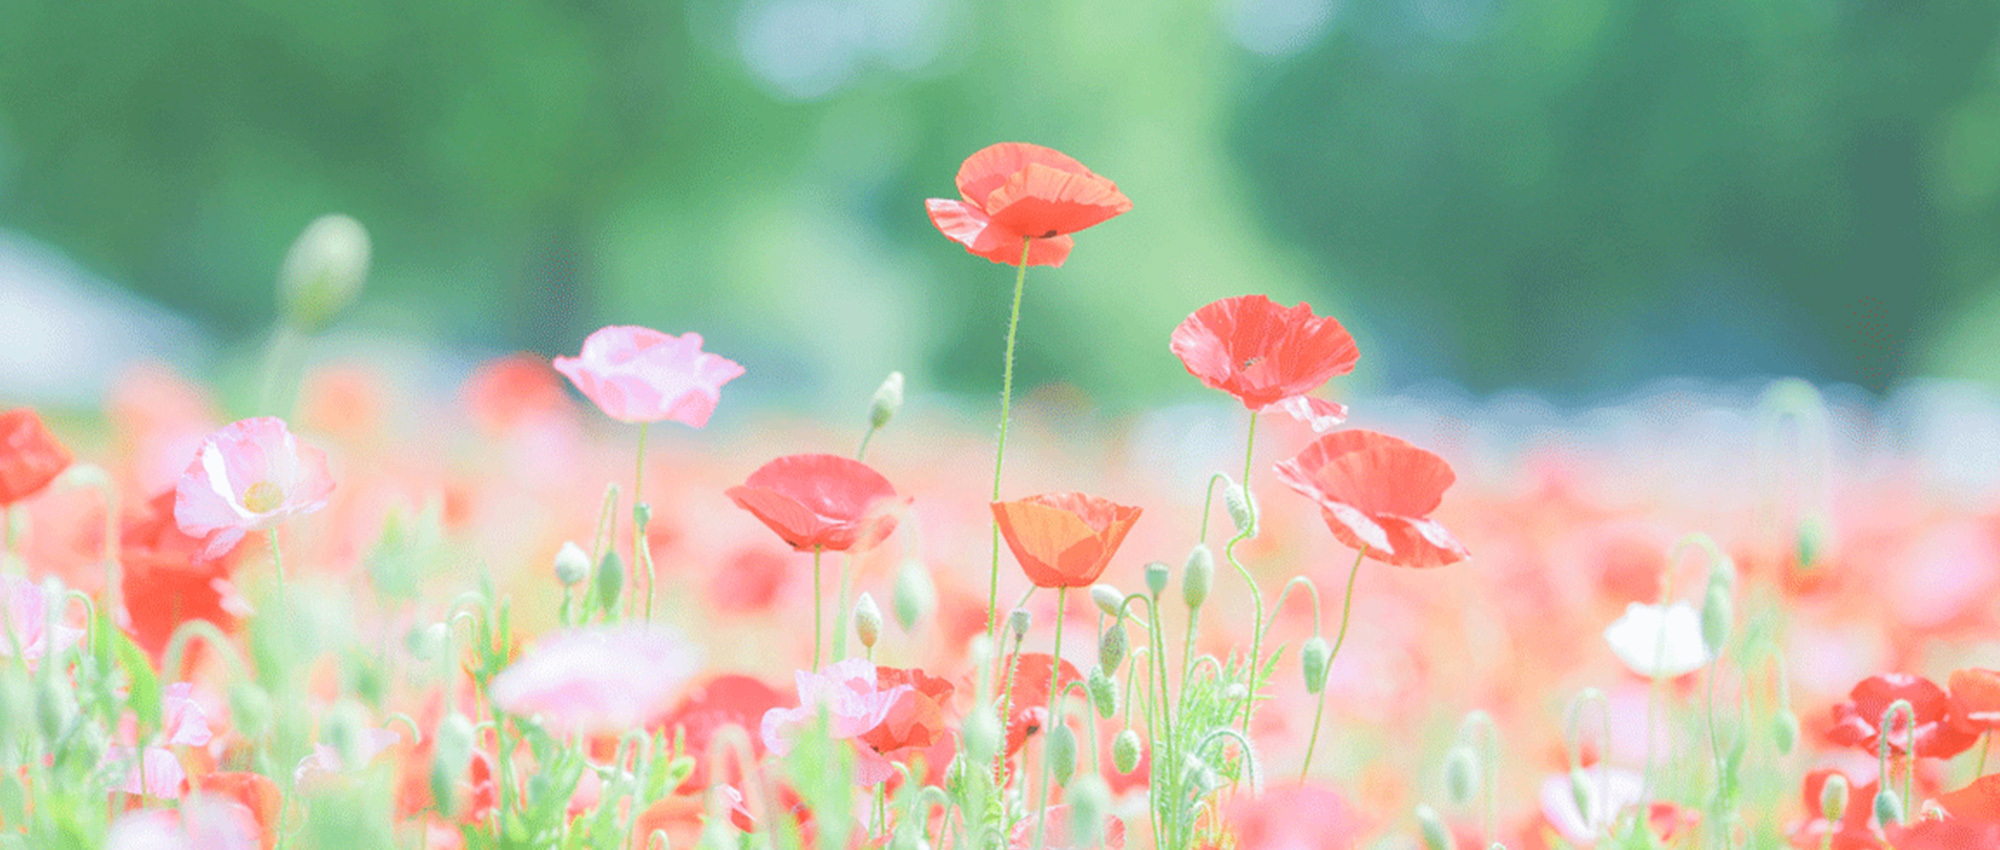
{"x": 1431, "y": 825}
{"x": 1888, "y": 807}
{"x": 867, "y": 620}
{"x": 1019, "y": 621}
{"x": 324, "y": 271}
{"x": 642, "y": 514}
{"x": 1833, "y": 798}
{"x": 979, "y": 650}
{"x": 908, "y": 839}
{"x": 1087, "y": 797}
{"x": 1111, "y": 647}
{"x": 982, "y": 734}
{"x": 1813, "y": 536}
{"x": 1315, "y": 657}
{"x": 888, "y": 399}
{"x": 1582, "y": 792}
{"x": 1197, "y": 576}
{"x": 345, "y": 729}
{"x": 1108, "y": 598}
{"x": 1717, "y": 614}
{"x": 1125, "y": 750}
{"x": 915, "y": 596}
{"x": 451, "y": 754}
{"x": 54, "y": 706}
{"x": 1062, "y": 752}
{"x": 1461, "y": 775}
{"x": 610, "y": 580}
{"x": 1103, "y": 692}
{"x": 429, "y": 643}
{"x": 572, "y": 565}
{"x": 1785, "y": 732}
{"x": 1157, "y": 576}
{"x": 1236, "y": 692}
{"x": 1242, "y": 510}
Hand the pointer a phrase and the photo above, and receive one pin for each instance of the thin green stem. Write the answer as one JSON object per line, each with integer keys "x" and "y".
{"x": 818, "y": 624}
{"x": 1985, "y": 743}
{"x": 1048, "y": 734}
{"x": 1256, "y": 594}
{"x": 642, "y": 556}
{"x": 1000, "y": 449}
{"x": 863, "y": 453}
{"x": 277, "y": 560}
{"x": 1340, "y": 637}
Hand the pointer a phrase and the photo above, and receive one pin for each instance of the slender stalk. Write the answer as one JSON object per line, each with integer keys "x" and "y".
{"x": 840, "y": 613}
{"x": 863, "y": 453}
{"x": 1340, "y": 637}
{"x": 277, "y": 560}
{"x": 818, "y": 625}
{"x": 1985, "y": 743}
{"x": 1000, "y": 449}
{"x": 1055, "y": 699}
{"x": 642, "y": 556}
{"x": 1256, "y": 595}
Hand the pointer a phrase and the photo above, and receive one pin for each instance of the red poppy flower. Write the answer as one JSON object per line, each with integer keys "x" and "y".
{"x": 1014, "y": 192}
{"x": 1975, "y": 699}
{"x": 1855, "y": 721}
{"x": 164, "y": 585}
{"x": 1262, "y": 353}
{"x": 1378, "y": 491}
{"x": 916, "y": 721}
{"x": 1030, "y": 700}
{"x": 731, "y": 699}
{"x": 1947, "y": 834}
{"x": 819, "y": 502}
{"x": 1289, "y": 815}
{"x": 30, "y": 456}
{"x": 1064, "y": 539}
{"x": 1852, "y": 831}
{"x": 255, "y": 792}
{"x": 1977, "y": 801}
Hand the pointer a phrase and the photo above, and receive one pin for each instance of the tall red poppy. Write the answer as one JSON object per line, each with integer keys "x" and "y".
{"x": 817, "y": 501}
{"x": 1064, "y": 539}
{"x": 164, "y": 584}
{"x": 30, "y": 456}
{"x": 1856, "y": 722}
{"x": 1378, "y": 491}
{"x": 1263, "y": 353}
{"x": 1029, "y": 701}
{"x": 1014, "y": 192}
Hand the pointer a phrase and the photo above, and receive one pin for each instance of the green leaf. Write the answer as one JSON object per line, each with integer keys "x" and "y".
{"x": 144, "y": 696}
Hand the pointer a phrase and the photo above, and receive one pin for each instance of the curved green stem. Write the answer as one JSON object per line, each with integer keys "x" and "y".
{"x": 1055, "y": 700}
{"x": 1346, "y": 611}
{"x": 1256, "y": 595}
{"x": 642, "y": 554}
{"x": 277, "y": 560}
{"x": 1000, "y": 449}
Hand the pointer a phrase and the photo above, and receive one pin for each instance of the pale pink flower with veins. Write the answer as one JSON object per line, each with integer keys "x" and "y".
{"x": 154, "y": 771}
{"x": 204, "y": 822}
{"x": 853, "y": 703}
{"x": 247, "y": 477}
{"x": 637, "y": 374}
{"x": 27, "y": 623}
{"x": 605, "y": 679}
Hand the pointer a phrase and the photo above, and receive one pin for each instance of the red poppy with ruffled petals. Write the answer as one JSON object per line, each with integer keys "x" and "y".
{"x": 1977, "y": 801}
{"x": 1262, "y": 353}
{"x": 30, "y": 456}
{"x": 1029, "y": 704}
{"x": 916, "y": 722}
{"x": 165, "y": 584}
{"x": 730, "y": 699}
{"x": 1015, "y": 193}
{"x": 1377, "y": 491}
{"x": 824, "y": 502}
{"x": 1855, "y": 722}
{"x": 255, "y": 792}
{"x": 1975, "y": 699}
{"x": 1064, "y": 539}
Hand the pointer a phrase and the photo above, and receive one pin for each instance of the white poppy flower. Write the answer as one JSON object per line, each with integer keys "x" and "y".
{"x": 1658, "y": 642}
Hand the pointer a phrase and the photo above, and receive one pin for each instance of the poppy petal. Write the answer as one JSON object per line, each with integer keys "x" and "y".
{"x": 969, "y": 225}
{"x": 1043, "y": 201}
{"x": 1319, "y": 413}
{"x": 990, "y": 167}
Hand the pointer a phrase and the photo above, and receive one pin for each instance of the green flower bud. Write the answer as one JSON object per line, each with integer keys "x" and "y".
{"x": 1088, "y": 798}
{"x": 1103, "y": 692}
{"x": 1717, "y": 615}
{"x": 1461, "y": 775}
{"x": 1019, "y": 621}
{"x": 908, "y": 838}
{"x": 1888, "y": 808}
{"x": 1157, "y": 576}
{"x": 1242, "y": 510}
{"x": 983, "y": 734}
{"x": 1431, "y": 826}
{"x": 1112, "y": 645}
{"x": 1197, "y": 576}
{"x": 1833, "y": 798}
{"x": 1125, "y": 751}
{"x": 323, "y": 272}
{"x": 1785, "y": 732}
{"x": 1814, "y": 536}
{"x": 451, "y": 755}
{"x": 572, "y": 565}
{"x": 1315, "y": 657}
{"x": 1582, "y": 792}
{"x": 610, "y": 580}
{"x": 1236, "y": 692}
{"x": 867, "y": 620}
{"x": 915, "y": 596}
{"x": 345, "y": 729}
{"x": 54, "y": 706}
{"x": 1061, "y": 752}
{"x": 1109, "y": 599}
{"x": 888, "y": 399}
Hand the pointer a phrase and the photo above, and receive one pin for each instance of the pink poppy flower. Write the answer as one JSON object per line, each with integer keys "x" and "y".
{"x": 247, "y": 477}
{"x": 819, "y": 502}
{"x": 599, "y": 680}
{"x": 1378, "y": 491}
{"x": 637, "y": 374}
{"x": 1291, "y": 816}
{"x": 27, "y": 621}
{"x": 204, "y": 822}
{"x": 154, "y": 771}
{"x": 854, "y": 704}
{"x": 1266, "y": 355}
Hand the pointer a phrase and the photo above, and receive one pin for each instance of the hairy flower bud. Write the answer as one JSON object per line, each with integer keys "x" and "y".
{"x": 1461, "y": 775}
{"x": 1197, "y": 576}
{"x": 1431, "y": 826}
{"x": 1019, "y": 621}
{"x": 610, "y": 580}
{"x": 1103, "y": 692}
{"x": 1108, "y": 598}
{"x": 1061, "y": 752}
{"x": 982, "y": 734}
{"x": 888, "y": 399}
{"x": 1125, "y": 751}
{"x": 1833, "y": 798}
{"x": 867, "y": 620}
{"x": 1112, "y": 645}
{"x": 1888, "y": 807}
{"x": 1157, "y": 576}
{"x": 324, "y": 271}
{"x": 1717, "y": 615}
{"x": 572, "y": 564}
{"x": 915, "y": 595}
{"x": 451, "y": 754}
{"x": 1242, "y": 510}
{"x": 1088, "y": 798}
{"x": 1785, "y": 732}
{"x": 1315, "y": 657}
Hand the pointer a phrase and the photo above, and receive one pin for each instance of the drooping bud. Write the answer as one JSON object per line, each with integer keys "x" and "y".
{"x": 1157, "y": 576}
{"x": 1888, "y": 807}
{"x": 1108, "y": 598}
{"x": 1314, "y": 657}
{"x": 1242, "y": 510}
{"x": 1019, "y": 621}
{"x": 451, "y": 754}
{"x": 982, "y": 734}
{"x": 1088, "y": 797}
{"x": 572, "y": 564}
{"x": 1431, "y": 826}
{"x": 867, "y": 620}
{"x": 1197, "y": 576}
{"x": 888, "y": 399}
{"x": 1061, "y": 752}
{"x": 1461, "y": 775}
{"x": 1125, "y": 751}
{"x": 1785, "y": 731}
{"x": 1717, "y": 615}
{"x": 1582, "y": 793}
{"x": 1111, "y": 646}
{"x": 324, "y": 271}
{"x": 915, "y": 596}
{"x": 1103, "y": 692}
{"x": 610, "y": 580}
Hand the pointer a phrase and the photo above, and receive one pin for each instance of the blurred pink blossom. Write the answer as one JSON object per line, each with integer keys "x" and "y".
{"x": 854, "y": 704}
{"x": 248, "y": 477}
{"x": 637, "y": 374}
{"x": 605, "y": 679}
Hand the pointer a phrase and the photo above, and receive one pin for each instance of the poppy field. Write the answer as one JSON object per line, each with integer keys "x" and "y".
{"x": 552, "y": 607}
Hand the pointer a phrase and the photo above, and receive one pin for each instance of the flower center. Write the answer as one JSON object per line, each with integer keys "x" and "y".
{"x": 263, "y": 497}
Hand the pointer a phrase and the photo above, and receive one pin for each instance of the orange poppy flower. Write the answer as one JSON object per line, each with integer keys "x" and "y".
{"x": 1064, "y": 539}
{"x": 1377, "y": 491}
{"x": 1015, "y": 191}
{"x": 818, "y": 501}
{"x": 30, "y": 456}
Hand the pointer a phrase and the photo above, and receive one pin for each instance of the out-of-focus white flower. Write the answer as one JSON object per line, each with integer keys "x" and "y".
{"x": 1658, "y": 642}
